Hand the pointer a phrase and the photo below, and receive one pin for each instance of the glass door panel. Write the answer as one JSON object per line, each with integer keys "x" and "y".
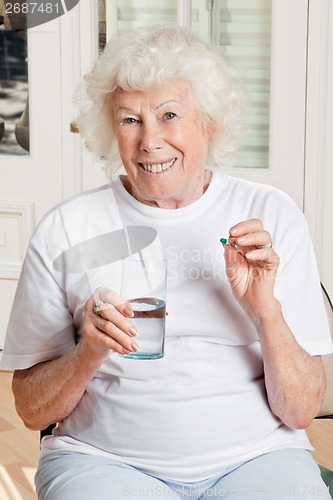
{"x": 14, "y": 108}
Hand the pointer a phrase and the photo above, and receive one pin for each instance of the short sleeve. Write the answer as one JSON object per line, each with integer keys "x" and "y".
{"x": 298, "y": 282}
{"x": 40, "y": 325}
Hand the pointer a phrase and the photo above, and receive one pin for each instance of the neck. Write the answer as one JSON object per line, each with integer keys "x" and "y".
{"x": 170, "y": 204}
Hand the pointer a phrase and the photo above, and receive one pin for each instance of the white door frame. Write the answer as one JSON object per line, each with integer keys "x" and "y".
{"x": 319, "y": 133}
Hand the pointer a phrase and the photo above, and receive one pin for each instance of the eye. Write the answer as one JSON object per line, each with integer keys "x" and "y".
{"x": 169, "y": 115}
{"x": 130, "y": 120}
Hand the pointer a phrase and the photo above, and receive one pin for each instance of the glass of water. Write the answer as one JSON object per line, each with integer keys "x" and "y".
{"x": 143, "y": 285}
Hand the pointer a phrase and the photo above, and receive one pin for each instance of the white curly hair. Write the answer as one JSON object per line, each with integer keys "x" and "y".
{"x": 147, "y": 57}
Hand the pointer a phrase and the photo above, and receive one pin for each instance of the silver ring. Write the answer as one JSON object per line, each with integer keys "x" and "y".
{"x": 270, "y": 244}
{"x": 98, "y": 307}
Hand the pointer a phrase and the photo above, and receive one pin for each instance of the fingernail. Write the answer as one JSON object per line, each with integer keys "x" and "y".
{"x": 233, "y": 232}
{"x": 128, "y": 312}
{"x": 134, "y": 332}
{"x": 135, "y": 348}
{"x": 249, "y": 255}
{"x": 125, "y": 351}
{"x": 241, "y": 240}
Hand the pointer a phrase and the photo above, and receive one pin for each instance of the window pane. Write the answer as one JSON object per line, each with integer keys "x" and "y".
{"x": 14, "y": 115}
{"x": 120, "y": 15}
{"x": 242, "y": 29}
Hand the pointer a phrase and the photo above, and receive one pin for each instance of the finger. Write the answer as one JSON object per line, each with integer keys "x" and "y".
{"x": 121, "y": 343}
{"x": 233, "y": 258}
{"x": 109, "y": 313}
{"x": 116, "y": 334}
{"x": 111, "y": 297}
{"x": 244, "y": 227}
{"x": 252, "y": 239}
{"x": 266, "y": 257}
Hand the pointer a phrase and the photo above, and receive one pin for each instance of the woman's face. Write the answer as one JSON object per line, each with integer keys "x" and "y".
{"x": 162, "y": 141}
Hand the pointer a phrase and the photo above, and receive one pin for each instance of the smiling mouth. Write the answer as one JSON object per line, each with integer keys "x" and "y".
{"x": 158, "y": 167}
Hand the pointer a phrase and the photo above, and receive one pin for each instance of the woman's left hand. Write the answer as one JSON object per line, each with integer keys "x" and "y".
{"x": 294, "y": 380}
{"x": 251, "y": 270}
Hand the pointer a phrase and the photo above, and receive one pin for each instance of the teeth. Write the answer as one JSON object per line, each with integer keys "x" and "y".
{"x": 158, "y": 167}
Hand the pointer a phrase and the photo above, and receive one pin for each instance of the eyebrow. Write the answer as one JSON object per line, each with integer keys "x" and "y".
{"x": 129, "y": 110}
{"x": 171, "y": 101}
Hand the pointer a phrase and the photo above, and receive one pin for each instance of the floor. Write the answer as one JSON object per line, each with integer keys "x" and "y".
{"x": 19, "y": 447}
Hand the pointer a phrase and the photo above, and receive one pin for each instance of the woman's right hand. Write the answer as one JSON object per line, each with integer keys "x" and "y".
{"x": 111, "y": 328}
{"x": 49, "y": 391}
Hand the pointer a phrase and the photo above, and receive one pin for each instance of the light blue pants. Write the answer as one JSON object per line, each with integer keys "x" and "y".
{"x": 288, "y": 474}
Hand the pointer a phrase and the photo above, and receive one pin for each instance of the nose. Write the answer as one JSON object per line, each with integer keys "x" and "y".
{"x": 151, "y": 139}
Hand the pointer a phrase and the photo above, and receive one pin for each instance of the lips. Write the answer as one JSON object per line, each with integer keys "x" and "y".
{"x": 158, "y": 167}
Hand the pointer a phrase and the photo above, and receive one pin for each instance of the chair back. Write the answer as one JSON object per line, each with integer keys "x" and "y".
{"x": 326, "y": 409}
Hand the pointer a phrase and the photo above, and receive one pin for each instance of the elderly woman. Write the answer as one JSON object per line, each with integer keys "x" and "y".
{"x": 222, "y": 413}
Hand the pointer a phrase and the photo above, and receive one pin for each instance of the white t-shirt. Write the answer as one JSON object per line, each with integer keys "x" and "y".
{"x": 203, "y": 407}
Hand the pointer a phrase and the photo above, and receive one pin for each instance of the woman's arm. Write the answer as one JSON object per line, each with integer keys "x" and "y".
{"x": 295, "y": 380}
{"x": 48, "y": 392}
